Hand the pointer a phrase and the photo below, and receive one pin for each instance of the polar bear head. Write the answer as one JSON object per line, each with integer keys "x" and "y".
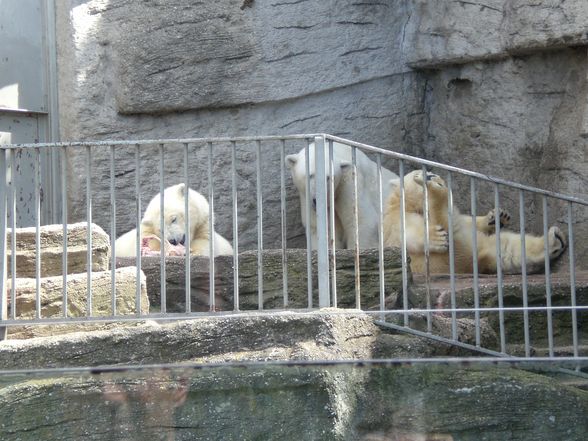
{"x": 414, "y": 189}
{"x": 174, "y": 215}
{"x": 297, "y": 165}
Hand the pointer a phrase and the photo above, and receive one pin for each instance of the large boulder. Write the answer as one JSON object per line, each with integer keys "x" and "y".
{"x": 300, "y": 390}
{"x": 51, "y": 246}
{"x": 51, "y": 298}
{"x": 274, "y": 278}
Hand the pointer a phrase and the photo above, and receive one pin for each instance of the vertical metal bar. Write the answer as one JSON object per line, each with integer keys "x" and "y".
{"x": 332, "y": 232}
{"x": 321, "y": 223}
{"x": 235, "y": 227}
{"x": 188, "y": 240}
{"x": 356, "y": 228}
{"x": 3, "y": 263}
{"x": 64, "y": 222}
{"x": 50, "y": 55}
{"x": 476, "y": 281}
{"x": 381, "y": 236}
{"x": 162, "y": 238}
{"x": 283, "y": 221}
{"x": 403, "y": 247}
{"x": 527, "y": 337}
{"x": 451, "y": 257}
{"x": 427, "y": 251}
{"x": 12, "y": 155}
{"x": 547, "y": 278}
{"x": 138, "y": 228}
{"x": 211, "y": 272}
{"x": 112, "y": 231}
{"x": 37, "y": 233}
{"x": 259, "y": 230}
{"x": 499, "y": 271}
{"x": 89, "y": 230}
{"x": 308, "y": 226}
{"x": 572, "y": 280}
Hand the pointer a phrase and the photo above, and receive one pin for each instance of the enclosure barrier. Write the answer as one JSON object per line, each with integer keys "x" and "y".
{"x": 321, "y": 263}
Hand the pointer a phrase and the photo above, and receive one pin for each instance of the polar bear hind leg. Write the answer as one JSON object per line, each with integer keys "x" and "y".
{"x": 510, "y": 248}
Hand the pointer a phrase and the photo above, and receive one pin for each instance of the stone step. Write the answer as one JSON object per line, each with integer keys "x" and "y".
{"x": 51, "y": 296}
{"x": 440, "y": 291}
{"x": 272, "y": 279}
{"x": 51, "y": 246}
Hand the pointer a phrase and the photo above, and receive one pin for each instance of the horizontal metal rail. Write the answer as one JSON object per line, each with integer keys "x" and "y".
{"x": 366, "y": 147}
{"x": 171, "y": 316}
{"x": 542, "y": 363}
{"x": 461, "y": 171}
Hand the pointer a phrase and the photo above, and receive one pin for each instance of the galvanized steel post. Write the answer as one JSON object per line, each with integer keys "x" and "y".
{"x": 3, "y": 257}
{"x": 321, "y": 222}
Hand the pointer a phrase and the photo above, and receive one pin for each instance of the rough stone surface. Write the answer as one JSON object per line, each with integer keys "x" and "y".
{"x": 234, "y": 401}
{"x": 51, "y": 295}
{"x": 329, "y": 334}
{"x": 515, "y": 109}
{"x": 320, "y": 402}
{"x": 362, "y": 94}
{"x": 518, "y": 119}
{"x": 311, "y": 336}
{"x": 51, "y": 246}
{"x": 273, "y": 280}
{"x": 464, "y": 32}
{"x": 259, "y": 54}
{"x": 512, "y": 295}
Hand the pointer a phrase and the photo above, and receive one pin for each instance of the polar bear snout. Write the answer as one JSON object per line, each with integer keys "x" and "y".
{"x": 176, "y": 241}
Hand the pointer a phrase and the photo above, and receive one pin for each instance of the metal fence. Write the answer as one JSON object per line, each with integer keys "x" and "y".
{"x": 408, "y": 303}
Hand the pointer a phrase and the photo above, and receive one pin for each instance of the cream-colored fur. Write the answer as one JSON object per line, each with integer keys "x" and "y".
{"x": 175, "y": 224}
{"x": 368, "y": 198}
{"x": 510, "y": 243}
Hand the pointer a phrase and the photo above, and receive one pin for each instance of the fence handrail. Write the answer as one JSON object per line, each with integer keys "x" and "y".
{"x": 109, "y": 143}
{"x": 368, "y": 147}
{"x": 451, "y": 168}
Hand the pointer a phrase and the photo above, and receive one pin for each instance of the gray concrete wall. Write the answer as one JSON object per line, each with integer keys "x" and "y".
{"x": 498, "y": 87}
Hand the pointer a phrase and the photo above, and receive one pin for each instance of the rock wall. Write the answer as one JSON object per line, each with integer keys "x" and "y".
{"x": 506, "y": 96}
{"x": 148, "y": 70}
{"x": 497, "y": 87}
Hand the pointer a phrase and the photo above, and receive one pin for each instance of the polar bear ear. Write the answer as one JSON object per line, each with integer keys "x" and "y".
{"x": 181, "y": 189}
{"x": 345, "y": 166}
{"x": 291, "y": 161}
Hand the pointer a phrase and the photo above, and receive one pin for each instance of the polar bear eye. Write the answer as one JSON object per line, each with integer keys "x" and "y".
{"x": 173, "y": 219}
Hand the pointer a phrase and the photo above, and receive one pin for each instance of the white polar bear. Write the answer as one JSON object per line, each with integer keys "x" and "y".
{"x": 367, "y": 193}
{"x": 175, "y": 225}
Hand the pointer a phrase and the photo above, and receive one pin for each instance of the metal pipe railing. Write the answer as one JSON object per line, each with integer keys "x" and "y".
{"x": 320, "y": 155}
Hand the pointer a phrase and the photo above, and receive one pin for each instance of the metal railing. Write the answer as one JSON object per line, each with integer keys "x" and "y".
{"x": 321, "y": 262}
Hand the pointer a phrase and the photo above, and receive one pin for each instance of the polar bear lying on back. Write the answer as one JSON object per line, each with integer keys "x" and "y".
{"x": 175, "y": 226}
{"x": 367, "y": 194}
{"x": 463, "y": 230}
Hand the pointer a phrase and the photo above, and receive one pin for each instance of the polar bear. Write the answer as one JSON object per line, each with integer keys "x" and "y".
{"x": 367, "y": 193}
{"x": 510, "y": 242}
{"x": 175, "y": 225}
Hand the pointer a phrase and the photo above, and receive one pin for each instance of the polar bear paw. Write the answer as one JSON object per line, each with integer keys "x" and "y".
{"x": 438, "y": 240}
{"x": 504, "y": 218}
{"x": 557, "y": 242}
{"x": 434, "y": 182}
